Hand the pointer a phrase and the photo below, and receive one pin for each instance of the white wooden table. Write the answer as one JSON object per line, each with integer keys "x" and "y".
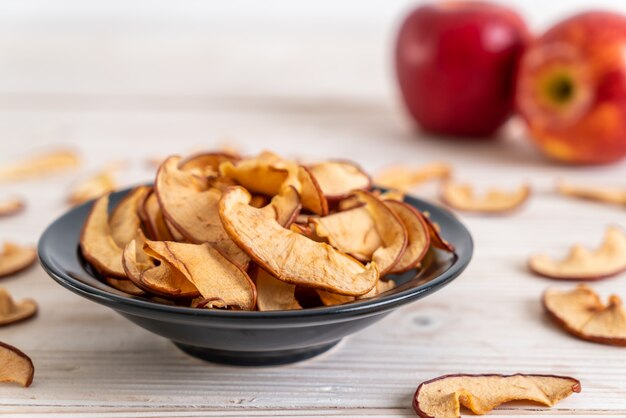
{"x": 125, "y": 94}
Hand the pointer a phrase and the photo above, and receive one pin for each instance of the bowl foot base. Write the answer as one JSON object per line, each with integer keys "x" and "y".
{"x": 255, "y": 358}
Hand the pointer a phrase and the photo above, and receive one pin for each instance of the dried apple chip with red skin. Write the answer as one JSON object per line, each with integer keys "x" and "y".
{"x": 274, "y": 294}
{"x": 284, "y": 207}
{"x": 442, "y": 397}
{"x": 15, "y": 366}
{"x": 12, "y": 312}
{"x": 436, "y": 239}
{"x": 261, "y": 174}
{"x": 16, "y": 258}
{"x": 403, "y": 178}
{"x": 582, "y": 313}
{"x": 289, "y": 256}
{"x": 418, "y": 236}
{"x": 11, "y": 206}
{"x": 331, "y": 299}
{"x": 582, "y": 264}
{"x": 206, "y": 164}
{"x": 124, "y": 285}
{"x": 191, "y": 206}
{"x": 603, "y": 194}
{"x": 125, "y": 220}
{"x": 39, "y": 165}
{"x": 337, "y": 179}
{"x": 311, "y": 193}
{"x": 97, "y": 244}
{"x": 213, "y": 274}
{"x": 494, "y": 201}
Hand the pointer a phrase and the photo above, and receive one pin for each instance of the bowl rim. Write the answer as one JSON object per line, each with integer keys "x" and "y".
{"x": 366, "y": 306}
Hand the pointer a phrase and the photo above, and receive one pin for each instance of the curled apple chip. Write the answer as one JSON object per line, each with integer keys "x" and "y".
{"x": 583, "y": 264}
{"x": 124, "y": 285}
{"x": 443, "y": 397}
{"x": 289, "y": 256}
{"x": 153, "y": 220}
{"x": 125, "y": 220}
{"x": 604, "y": 194}
{"x": 418, "y": 238}
{"x": 462, "y": 197}
{"x": 15, "y": 366}
{"x": 436, "y": 239}
{"x": 39, "y": 165}
{"x": 97, "y": 244}
{"x": 206, "y": 164}
{"x": 274, "y": 294}
{"x": 337, "y": 179}
{"x": 11, "y": 312}
{"x": 582, "y": 313}
{"x": 11, "y": 206}
{"x": 404, "y": 178}
{"x": 191, "y": 206}
{"x": 15, "y": 258}
{"x": 95, "y": 186}
{"x": 214, "y": 275}
{"x": 331, "y": 299}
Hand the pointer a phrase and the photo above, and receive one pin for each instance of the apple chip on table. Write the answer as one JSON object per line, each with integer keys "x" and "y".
{"x": 218, "y": 231}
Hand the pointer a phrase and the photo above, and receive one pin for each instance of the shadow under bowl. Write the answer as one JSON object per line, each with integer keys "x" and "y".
{"x": 250, "y": 338}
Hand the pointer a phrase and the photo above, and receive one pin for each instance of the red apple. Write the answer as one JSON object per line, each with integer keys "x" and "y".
{"x": 456, "y": 64}
{"x": 572, "y": 89}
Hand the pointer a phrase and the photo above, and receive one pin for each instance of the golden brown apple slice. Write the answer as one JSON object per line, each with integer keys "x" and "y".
{"x": 581, "y": 313}
{"x": 418, "y": 236}
{"x": 289, "y": 256}
{"x": 39, "y": 165}
{"x": 153, "y": 219}
{"x": 462, "y": 197}
{"x": 124, "y": 285}
{"x": 11, "y": 312}
{"x": 266, "y": 173}
{"x": 582, "y": 264}
{"x": 97, "y": 243}
{"x": 94, "y": 186}
{"x": 191, "y": 206}
{"x": 284, "y": 207}
{"x": 436, "y": 239}
{"x": 331, "y": 299}
{"x": 125, "y": 220}
{"x": 274, "y": 294}
{"x": 311, "y": 193}
{"x": 604, "y": 194}
{"x": 214, "y": 275}
{"x": 403, "y": 178}
{"x": 206, "y": 164}
{"x": 443, "y": 397}
{"x": 16, "y": 258}
{"x": 337, "y": 179}
{"x": 15, "y": 366}
{"x": 11, "y": 206}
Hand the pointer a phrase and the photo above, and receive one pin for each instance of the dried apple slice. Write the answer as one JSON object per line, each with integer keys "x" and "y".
{"x": 337, "y": 179}
{"x": 311, "y": 193}
{"x": 95, "y": 186}
{"x": 39, "y": 165}
{"x": 582, "y": 264}
{"x": 15, "y": 366}
{"x": 462, "y": 197}
{"x": 191, "y": 206}
{"x": 97, "y": 244}
{"x": 124, "y": 285}
{"x": 581, "y": 313}
{"x": 11, "y": 312}
{"x": 265, "y": 173}
{"x": 436, "y": 239}
{"x": 11, "y": 206}
{"x": 274, "y": 294}
{"x": 418, "y": 236}
{"x": 403, "y": 178}
{"x": 153, "y": 220}
{"x": 604, "y": 194}
{"x": 284, "y": 207}
{"x": 125, "y": 220}
{"x": 214, "y": 275}
{"x": 442, "y": 397}
{"x": 16, "y": 258}
{"x": 207, "y": 163}
{"x": 289, "y": 256}
{"x": 331, "y": 299}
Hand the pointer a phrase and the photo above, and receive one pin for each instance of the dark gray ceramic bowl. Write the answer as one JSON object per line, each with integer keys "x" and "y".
{"x": 250, "y": 338}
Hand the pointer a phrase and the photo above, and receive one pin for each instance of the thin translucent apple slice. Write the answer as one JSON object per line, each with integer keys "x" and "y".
{"x": 191, "y": 206}
{"x": 436, "y": 239}
{"x": 39, "y": 165}
{"x": 266, "y": 173}
{"x": 94, "y": 186}
{"x": 284, "y": 207}
{"x": 214, "y": 275}
{"x": 443, "y": 397}
{"x": 125, "y": 220}
{"x": 337, "y": 179}
{"x": 274, "y": 294}
{"x": 462, "y": 197}
{"x": 16, "y": 258}
{"x": 11, "y": 312}
{"x": 97, "y": 243}
{"x": 153, "y": 219}
{"x": 15, "y": 366}
{"x": 605, "y": 194}
{"x": 583, "y": 264}
{"x": 289, "y": 256}
{"x": 124, "y": 285}
{"x": 11, "y": 206}
{"x": 403, "y": 178}
{"x": 418, "y": 236}
{"x": 206, "y": 164}
{"x": 582, "y": 313}
{"x": 331, "y": 299}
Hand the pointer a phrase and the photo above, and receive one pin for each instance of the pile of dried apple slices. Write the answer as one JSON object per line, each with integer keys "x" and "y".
{"x": 217, "y": 231}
